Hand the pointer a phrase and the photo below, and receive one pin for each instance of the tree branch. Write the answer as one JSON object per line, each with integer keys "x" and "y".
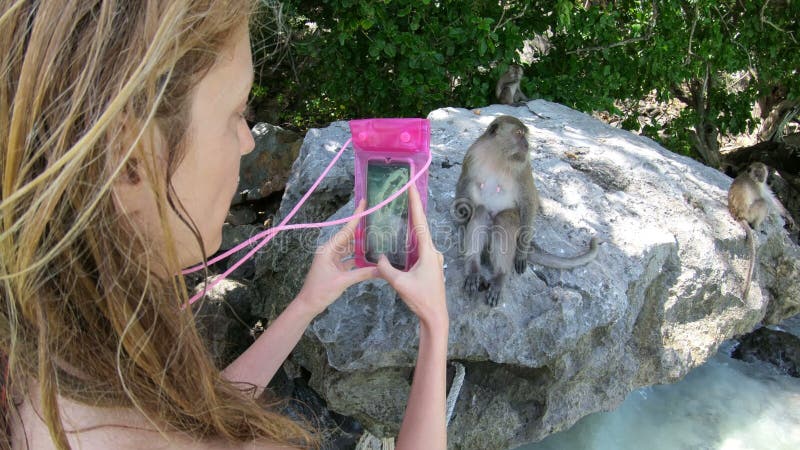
{"x": 501, "y": 23}
{"x": 647, "y": 36}
{"x": 615, "y": 44}
{"x": 764, "y": 20}
{"x": 689, "y": 53}
{"x": 777, "y": 118}
{"x": 681, "y": 95}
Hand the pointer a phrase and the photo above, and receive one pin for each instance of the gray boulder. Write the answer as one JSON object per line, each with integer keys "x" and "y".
{"x": 222, "y": 318}
{"x": 776, "y": 347}
{"x": 264, "y": 170}
{"x": 661, "y": 296}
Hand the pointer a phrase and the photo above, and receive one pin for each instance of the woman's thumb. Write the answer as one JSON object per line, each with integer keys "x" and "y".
{"x": 386, "y": 270}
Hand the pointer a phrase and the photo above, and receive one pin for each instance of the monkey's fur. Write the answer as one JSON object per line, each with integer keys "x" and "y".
{"x": 750, "y": 201}
{"x": 496, "y": 203}
{"x": 507, "y": 90}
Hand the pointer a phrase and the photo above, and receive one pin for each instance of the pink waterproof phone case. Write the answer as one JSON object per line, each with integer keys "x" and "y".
{"x": 388, "y": 153}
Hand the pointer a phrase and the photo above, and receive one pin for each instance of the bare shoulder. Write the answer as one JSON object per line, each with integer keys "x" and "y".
{"x": 102, "y": 428}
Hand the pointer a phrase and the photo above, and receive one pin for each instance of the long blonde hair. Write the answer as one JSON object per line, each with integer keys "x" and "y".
{"x": 82, "y": 312}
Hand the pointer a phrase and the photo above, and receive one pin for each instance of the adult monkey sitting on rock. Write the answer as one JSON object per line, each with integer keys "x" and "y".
{"x": 496, "y": 203}
{"x": 508, "y": 90}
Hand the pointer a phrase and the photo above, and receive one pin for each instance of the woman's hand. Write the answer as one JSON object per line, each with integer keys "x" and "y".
{"x": 422, "y": 287}
{"x": 330, "y": 274}
{"x": 333, "y": 269}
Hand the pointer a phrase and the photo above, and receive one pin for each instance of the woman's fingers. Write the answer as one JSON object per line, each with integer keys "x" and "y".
{"x": 359, "y": 275}
{"x": 342, "y": 241}
{"x": 386, "y": 270}
{"x": 420, "y": 223}
{"x": 418, "y": 218}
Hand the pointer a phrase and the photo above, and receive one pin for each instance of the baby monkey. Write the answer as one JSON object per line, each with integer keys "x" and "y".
{"x": 496, "y": 203}
{"x": 750, "y": 201}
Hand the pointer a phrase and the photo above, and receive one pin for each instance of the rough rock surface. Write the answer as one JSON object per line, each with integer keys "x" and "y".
{"x": 223, "y": 318}
{"x": 779, "y": 348}
{"x": 661, "y": 296}
{"x": 264, "y": 170}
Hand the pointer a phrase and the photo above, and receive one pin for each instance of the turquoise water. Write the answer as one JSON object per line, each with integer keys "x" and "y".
{"x": 725, "y": 404}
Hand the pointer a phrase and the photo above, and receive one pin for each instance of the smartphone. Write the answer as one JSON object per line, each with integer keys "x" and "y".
{"x": 386, "y": 229}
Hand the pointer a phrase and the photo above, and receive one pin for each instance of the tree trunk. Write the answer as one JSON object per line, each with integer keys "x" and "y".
{"x": 704, "y": 135}
{"x": 704, "y": 140}
{"x": 772, "y": 127}
{"x": 774, "y": 154}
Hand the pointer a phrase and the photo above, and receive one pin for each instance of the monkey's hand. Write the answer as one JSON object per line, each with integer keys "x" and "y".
{"x": 493, "y": 294}
{"x": 790, "y": 221}
{"x": 473, "y": 283}
{"x": 520, "y": 262}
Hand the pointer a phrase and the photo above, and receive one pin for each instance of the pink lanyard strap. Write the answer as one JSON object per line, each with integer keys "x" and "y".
{"x": 269, "y": 233}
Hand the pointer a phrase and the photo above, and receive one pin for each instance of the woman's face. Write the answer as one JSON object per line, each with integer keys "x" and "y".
{"x": 218, "y": 135}
{"x": 206, "y": 178}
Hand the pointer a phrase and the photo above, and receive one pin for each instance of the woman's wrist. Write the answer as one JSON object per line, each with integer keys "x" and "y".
{"x": 304, "y": 306}
{"x": 437, "y": 328}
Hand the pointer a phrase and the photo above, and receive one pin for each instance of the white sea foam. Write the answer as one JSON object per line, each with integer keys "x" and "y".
{"x": 724, "y": 405}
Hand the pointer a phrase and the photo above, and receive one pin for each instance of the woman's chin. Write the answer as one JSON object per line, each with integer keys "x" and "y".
{"x": 213, "y": 245}
{"x": 195, "y": 258}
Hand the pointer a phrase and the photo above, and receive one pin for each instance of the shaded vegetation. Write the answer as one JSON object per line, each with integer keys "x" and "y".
{"x": 340, "y": 59}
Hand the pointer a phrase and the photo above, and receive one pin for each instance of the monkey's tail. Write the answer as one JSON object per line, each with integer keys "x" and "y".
{"x": 560, "y": 262}
{"x": 462, "y": 210}
{"x": 751, "y": 239}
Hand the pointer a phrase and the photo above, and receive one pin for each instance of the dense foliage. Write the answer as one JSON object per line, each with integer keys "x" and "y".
{"x": 358, "y": 58}
{"x": 397, "y": 58}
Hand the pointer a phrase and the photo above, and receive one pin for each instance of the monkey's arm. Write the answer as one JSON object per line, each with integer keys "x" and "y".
{"x": 463, "y": 204}
{"x": 520, "y": 96}
{"x": 498, "y": 88}
{"x": 528, "y": 205}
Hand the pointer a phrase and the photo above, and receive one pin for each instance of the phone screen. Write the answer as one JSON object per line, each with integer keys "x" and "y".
{"x": 387, "y": 228}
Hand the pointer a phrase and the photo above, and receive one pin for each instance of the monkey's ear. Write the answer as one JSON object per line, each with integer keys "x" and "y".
{"x": 493, "y": 128}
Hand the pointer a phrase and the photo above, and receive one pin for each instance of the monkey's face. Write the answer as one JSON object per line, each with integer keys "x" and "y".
{"x": 758, "y": 172}
{"x": 510, "y": 136}
{"x": 520, "y": 136}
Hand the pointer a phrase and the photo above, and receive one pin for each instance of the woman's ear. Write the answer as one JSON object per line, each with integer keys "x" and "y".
{"x": 130, "y": 191}
{"x": 133, "y": 152}
{"x": 131, "y": 170}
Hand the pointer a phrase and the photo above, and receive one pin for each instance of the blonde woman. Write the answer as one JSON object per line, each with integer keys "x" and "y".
{"x": 121, "y": 130}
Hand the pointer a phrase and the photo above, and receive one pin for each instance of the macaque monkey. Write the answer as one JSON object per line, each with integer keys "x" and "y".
{"x": 496, "y": 203}
{"x": 750, "y": 201}
{"x": 508, "y": 91}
